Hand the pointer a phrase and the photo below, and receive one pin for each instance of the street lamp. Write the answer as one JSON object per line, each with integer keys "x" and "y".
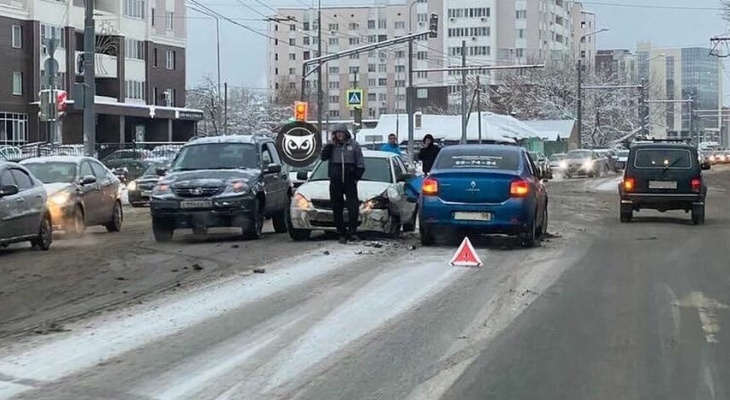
{"x": 645, "y": 110}
{"x": 580, "y": 83}
{"x": 409, "y": 90}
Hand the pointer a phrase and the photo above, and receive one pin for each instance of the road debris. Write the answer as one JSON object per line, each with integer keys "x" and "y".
{"x": 120, "y": 278}
{"x": 197, "y": 267}
{"x": 235, "y": 246}
{"x": 50, "y": 327}
{"x": 326, "y": 252}
{"x": 259, "y": 270}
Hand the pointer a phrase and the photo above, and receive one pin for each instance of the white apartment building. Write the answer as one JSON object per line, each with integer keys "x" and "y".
{"x": 496, "y": 32}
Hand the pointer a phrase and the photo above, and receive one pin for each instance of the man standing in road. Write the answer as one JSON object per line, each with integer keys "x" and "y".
{"x": 427, "y": 154}
{"x": 346, "y": 168}
{"x": 392, "y": 145}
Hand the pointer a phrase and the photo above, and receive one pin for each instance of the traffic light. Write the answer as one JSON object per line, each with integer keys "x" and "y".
{"x": 300, "y": 110}
{"x": 433, "y": 25}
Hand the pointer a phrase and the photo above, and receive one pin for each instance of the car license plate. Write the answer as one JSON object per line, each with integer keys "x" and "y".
{"x": 146, "y": 193}
{"x": 196, "y": 204}
{"x": 472, "y": 216}
{"x": 662, "y": 184}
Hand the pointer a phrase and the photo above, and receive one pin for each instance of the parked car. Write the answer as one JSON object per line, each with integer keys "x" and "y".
{"x": 82, "y": 192}
{"x": 222, "y": 181}
{"x": 622, "y": 158}
{"x": 385, "y": 206}
{"x": 299, "y": 175}
{"x": 604, "y": 157}
{"x": 119, "y": 156}
{"x": 486, "y": 189}
{"x": 584, "y": 162}
{"x": 663, "y": 177}
{"x": 542, "y": 164}
{"x": 24, "y": 214}
{"x": 165, "y": 152}
{"x": 129, "y": 170}
{"x": 557, "y": 162}
{"x": 139, "y": 190}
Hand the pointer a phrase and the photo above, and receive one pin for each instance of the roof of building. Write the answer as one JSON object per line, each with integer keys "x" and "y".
{"x": 495, "y": 127}
{"x": 552, "y": 130}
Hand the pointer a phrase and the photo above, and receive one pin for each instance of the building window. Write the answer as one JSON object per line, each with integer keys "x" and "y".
{"x": 17, "y": 83}
{"x": 333, "y": 41}
{"x": 17, "y": 36}
{"x": 334, "y": 27}
{"x": 382, "y": 97}
{"x": 13, "y": 127}
{"x": 292, "y": 27}
{"x": 354, "y": 26}
{"x": 382, "y": 68}
{"x": 355, "y": 56}
{"x": 292, "y": 71}
{"x": 292, "y": 56}
{"x": 372, "y": 97}
{"x": 134, "y": 90}
{"x": 422, "y": 93}
{"x": 134, "y": 8}
{"x": 354, "y": 70}
{"x": 170, "y": 59}
{"x": 333, "y": 85}
{"x": 371, "y": 82}
{"x": 382, "y": 81}
{"x": 422, "y": 55}
{"x": 133, "y": 49}
{"x": 371, "y": 24}
{"x": 154, "y": 58}
{"x": 354, "y": 40}
{"x": 169, "y": 20}
{"x": 421, "y": 75}
{"x": 49, "y": 31}
{"x": 521, "y": 14}
{"x": 152, "y": 16}
{"x": 334, "y": 99}
{"x": 382, "y": 24}
{"x": 371, "y": 67}
{"x": 400, "y": 24}
{"x": 292, "y": 41}
{"x": 400, "y": 83}
{"x": 305, "y": 26}
{"x": 334, "y": 70}
{"x": 400, "y": 68}
{"x": 306, "y": 55}
{"x": 335, "y": 113}
{"x": 305, "y": 40}
{"x": 422, "y": 17}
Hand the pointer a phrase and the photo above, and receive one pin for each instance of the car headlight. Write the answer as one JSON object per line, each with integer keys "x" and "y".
{"x": 376, "y": 203}
{"x": 588, "y": 164}
{"x": 563, "y": 164}
{"x": 301, "y": 202}
{"x": 60, "y": 198}
{"x": 160, "y": 189}
{"x": 237, "y": 187}
{"x": 132, "y": 185}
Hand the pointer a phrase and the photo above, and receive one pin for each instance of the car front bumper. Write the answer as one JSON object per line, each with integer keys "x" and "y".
{"x": 369, "y": 220}
{"x": 225, "y": 212}
{"x": 61, "y": 215}
{"x": 511, "y": 217}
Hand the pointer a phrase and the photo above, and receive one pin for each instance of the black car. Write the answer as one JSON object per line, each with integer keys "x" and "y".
{"x": 663, "y": 176}
{"x": 82, "y": 192}
{"x": 139, "y": 190}
{"x": 224, "y": 181}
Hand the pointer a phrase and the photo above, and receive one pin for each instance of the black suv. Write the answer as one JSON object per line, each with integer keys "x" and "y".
{"x": 224, "y": 181}
{"x": 663, "y": 176}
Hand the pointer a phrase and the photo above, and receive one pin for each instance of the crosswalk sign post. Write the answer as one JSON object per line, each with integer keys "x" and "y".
{"x": 355, "y": 98}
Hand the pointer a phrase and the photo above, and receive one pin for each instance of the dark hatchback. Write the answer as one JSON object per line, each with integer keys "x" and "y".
{"x": 226, "y": 181}
{"x": 663, "y": 177}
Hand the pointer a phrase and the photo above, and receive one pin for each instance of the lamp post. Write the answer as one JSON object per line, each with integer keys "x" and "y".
{"x": 580, "y": 84}
{"x": 409, "y": 91}
{"x": 645, "y": 111}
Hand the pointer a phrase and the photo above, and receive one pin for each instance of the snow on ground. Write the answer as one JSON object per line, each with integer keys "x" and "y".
{"x": 608, "y": 185}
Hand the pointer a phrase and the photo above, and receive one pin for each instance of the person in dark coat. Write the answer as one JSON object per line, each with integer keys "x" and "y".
{"x": 427, "y": 154}
{"x": 346, "y": 168}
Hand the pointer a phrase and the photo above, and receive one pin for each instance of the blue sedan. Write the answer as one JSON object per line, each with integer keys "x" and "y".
{"x": 485, "y": 189}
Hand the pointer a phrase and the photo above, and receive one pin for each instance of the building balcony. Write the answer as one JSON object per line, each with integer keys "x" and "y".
{"x": 106, "y": 65}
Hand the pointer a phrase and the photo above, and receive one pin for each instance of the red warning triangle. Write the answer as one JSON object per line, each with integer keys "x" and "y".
{"x": 466, "y": 256}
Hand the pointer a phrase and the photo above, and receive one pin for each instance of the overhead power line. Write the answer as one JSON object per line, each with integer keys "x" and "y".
{"x": 653, "y": 6}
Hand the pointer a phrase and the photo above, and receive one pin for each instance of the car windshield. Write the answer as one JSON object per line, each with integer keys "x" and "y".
{"x": 216, "y": 156}
{"x": 579, "y": 155}
{"x": 377, "y": 169}
{"x": 152, "y": 169}
{"x": 663, "y": 158}
{"x": 479, "y": 158}
{"x": 53, "y": 172}
{"x": 557, "y": 157}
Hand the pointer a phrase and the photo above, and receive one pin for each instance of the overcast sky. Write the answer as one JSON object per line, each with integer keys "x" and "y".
{"x": 665, "y": 23}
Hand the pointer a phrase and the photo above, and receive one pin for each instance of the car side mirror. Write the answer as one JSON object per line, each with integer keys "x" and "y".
{"x": 302, "y": 175}
{"x": 8, "y": 190}
{"x": 273, "y": 168}
{"x": 88, "y": 179}
{"x": 160, "y": 171}
{"x": 706, "y": 166}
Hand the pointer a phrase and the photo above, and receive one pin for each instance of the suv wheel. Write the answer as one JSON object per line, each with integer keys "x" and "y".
{"x": 528, "y": 238}
{"x": 427, "y": 238}
{"x": 279, "y": 222}
{"x": 394, "y": 231}
{"x": 45, "y": 235}
{"x": 162, "y": 230}
{"x": 253, "y": 231}
{"x": 698, "y": 215}
{"x": 627, "y": 215}
{"x": 410, "y": 226}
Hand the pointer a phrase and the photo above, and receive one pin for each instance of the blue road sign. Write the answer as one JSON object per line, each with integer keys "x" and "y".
{"x": 354, "y": 98}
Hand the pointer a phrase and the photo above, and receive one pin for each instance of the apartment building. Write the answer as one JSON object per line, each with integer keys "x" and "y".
{"x": 618, "y": 63}
{"x": 495, "y": 32}
{"x": 140, "y": 62}
{"x": 682, "y": 74}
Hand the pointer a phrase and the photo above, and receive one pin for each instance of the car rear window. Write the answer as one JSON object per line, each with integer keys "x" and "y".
{"x": 663, "y": 158}
{"x": 482, "y": 159}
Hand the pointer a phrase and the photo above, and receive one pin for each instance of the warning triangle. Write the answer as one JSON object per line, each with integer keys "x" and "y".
{"x": 354, "y": 98}
{"x": 466, "y": 256}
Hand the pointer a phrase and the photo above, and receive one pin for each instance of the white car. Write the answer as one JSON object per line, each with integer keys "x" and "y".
{"x": 384, "y": 205}
{"x": 622, "y": 157}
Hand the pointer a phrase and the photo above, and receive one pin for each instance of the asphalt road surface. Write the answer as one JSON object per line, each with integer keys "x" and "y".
{"x": 601, "y": 310}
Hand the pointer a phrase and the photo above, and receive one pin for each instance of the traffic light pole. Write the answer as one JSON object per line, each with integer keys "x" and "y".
{"x": 89, "y": 81}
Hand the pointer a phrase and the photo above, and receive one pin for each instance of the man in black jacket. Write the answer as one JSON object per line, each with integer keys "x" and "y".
{"x": 346, "y": 167}
{"x": 427, "y": 154}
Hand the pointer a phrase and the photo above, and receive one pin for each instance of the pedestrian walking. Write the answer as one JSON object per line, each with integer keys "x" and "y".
{"x": 427, "y": 154}
{"x": 346, "y": 168}
{"x": 392, "y": 145}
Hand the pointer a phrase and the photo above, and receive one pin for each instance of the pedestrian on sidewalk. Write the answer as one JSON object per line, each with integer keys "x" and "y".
{"x": 427, "y": 154}
{"x": 392, "y": 145}
{"x": 346, "y": 167}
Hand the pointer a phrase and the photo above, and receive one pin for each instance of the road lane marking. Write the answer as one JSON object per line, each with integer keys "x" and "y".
{"x": 707, "y": 310}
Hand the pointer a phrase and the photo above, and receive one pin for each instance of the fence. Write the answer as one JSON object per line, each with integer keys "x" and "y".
{"x": 162, "y": 151}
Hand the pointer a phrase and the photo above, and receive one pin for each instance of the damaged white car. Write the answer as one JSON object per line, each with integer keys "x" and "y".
{"x": 387, "y": 203}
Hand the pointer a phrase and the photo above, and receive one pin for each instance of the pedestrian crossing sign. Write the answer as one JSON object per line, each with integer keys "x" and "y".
{"x": 354, "y": 98}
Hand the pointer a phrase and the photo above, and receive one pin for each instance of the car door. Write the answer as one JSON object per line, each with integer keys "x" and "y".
{"x": 91, "y": 195}
{"x": 9, "y": 208}
{"x": 282, "y": 183}
{"x": 271, "y": 181}
{"x": 109, "y": 190}
{"x": 536, "y": 182}
{"x": 406, "y": 205}
{"x": 30, "y": 200}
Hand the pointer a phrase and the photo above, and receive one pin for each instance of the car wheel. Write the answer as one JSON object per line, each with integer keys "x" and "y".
{"x": 115, "y": 225}
{"x": 528, "y": 238}
{"x": 698, "y": 215}
{"x": 77, "y": 225}
{"x": 45, "y": 235}
{"x": 627, "y": 215}
{"x": 395, "y": 226}
{"x": 544, "y": 225}
{"x": 410, "y": 226}
{"x": 253, "y": 231}
{"x": 427, "y": 238}
{"x": 279, "y": 222}
{"x": 162, "y": 230}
